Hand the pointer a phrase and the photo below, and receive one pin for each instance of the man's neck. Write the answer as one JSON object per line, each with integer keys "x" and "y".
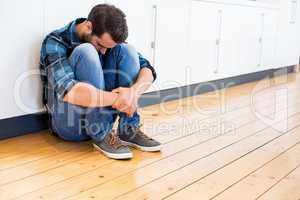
{"x": 79, "y": 30}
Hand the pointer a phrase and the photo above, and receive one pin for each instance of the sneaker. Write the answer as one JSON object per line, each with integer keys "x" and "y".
{"x": 112, "y": 147}
{"x": 134, "y": 137}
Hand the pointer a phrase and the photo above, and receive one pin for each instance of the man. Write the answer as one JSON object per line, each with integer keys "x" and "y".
{"x": 91, "y": 76}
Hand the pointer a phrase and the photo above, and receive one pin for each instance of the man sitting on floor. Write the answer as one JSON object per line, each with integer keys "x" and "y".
{"x": 91, "y": 76}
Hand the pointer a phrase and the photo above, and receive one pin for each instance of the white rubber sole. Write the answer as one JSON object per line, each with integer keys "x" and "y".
{"x": 123, "y": 156}
{"x": 147, "y": 149}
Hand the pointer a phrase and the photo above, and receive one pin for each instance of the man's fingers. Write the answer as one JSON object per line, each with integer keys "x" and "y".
{"x": 115, "y": 90}
{"x": 129, "y": 110}
{"x": 121, "y": 107}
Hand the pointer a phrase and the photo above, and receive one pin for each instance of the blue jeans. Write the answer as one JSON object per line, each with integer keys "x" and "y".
{"x": 119, "y": 67}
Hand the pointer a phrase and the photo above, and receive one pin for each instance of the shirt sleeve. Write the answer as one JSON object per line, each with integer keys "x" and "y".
{"x": 59, "y": 71}
{"x": 145, "y": 63}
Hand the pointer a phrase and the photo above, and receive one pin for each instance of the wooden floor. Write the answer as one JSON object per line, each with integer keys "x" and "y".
{"x": 237, "y": 143}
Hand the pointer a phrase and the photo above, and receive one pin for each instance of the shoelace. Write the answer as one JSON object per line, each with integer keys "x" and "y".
{"x": 141, "y": 133}
{"x": 115, "y": 141}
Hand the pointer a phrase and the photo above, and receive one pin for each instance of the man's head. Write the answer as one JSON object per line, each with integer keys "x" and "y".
{"x": 105, "y": 26}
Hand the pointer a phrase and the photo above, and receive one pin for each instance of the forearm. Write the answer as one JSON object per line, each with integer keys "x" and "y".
{"x": 84, "y": 94}
{"x": 144, "y": 81}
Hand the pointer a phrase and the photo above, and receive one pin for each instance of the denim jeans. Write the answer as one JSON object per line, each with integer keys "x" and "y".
{"x": 117, "y": 68}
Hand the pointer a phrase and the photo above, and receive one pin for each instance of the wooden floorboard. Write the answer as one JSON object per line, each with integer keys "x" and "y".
{"x": 287, "y": 188}
{"x": 214, "y": 185}
{"x": 215, "y": 146}
{"x": 197, "y": 170}
{"x": 269, "y": 173}
{"x": 91, "y": 183}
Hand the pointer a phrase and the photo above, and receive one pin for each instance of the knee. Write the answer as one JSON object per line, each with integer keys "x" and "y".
{"x": 128, "y": 59}
{"x": 87, "y": 66}
{"x": 128, "y": 52}
{"x": 87, "y": 52}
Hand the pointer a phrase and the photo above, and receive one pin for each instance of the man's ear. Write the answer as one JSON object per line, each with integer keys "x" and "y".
{"x": 89, "y": 26}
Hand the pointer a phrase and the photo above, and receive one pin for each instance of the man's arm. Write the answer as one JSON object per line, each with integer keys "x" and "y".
{"x": 144, "y": 81}
{"x": 128, "y": 97}
{"x": 62, "y": 80}
{"x": 84, "y": 94}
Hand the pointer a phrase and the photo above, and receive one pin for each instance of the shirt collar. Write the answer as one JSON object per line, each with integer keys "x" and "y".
{"x": 75, "y": 40}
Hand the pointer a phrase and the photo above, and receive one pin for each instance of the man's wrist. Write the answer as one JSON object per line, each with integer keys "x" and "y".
{"x": 136, "y": 90}
{"x": 115, "y": 98}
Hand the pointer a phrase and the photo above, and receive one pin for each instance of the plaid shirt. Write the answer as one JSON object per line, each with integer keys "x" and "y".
{"x": 56, "y": 72}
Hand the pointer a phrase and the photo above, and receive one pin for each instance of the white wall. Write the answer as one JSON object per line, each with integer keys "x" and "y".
{"x": 20, "y": 35}
{"x": 288, "y": 35}
{"x": 25, "y": 23}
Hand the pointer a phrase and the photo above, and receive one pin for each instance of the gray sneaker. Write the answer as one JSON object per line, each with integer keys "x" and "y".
{"x": 134, "y": 137}
{"x": 112, "y": 147}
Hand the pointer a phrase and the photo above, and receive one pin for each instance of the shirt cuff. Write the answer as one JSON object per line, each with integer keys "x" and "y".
{"x": 65, "y": 88}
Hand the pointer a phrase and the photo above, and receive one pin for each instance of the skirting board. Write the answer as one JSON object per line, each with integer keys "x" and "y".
{"x": 20, "y": 125}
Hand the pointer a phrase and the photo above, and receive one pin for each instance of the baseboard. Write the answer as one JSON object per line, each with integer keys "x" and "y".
{"x": 20, "y": 125}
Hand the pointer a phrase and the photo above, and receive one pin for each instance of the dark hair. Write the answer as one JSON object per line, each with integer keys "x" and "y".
{"x": 110, "y": 19}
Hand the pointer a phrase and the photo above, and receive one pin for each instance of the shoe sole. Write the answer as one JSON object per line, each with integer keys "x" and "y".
{"x": 123, "y": 156}
{"x": 143, "y": 148}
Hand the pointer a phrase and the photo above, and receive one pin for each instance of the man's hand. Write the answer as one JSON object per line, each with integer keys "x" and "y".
{"x": 127, "y": 100}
